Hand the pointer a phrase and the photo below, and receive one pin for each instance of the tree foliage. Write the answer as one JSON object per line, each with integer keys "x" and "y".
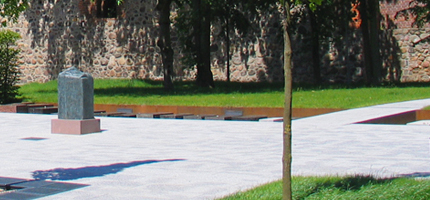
{"x": 419, "y": 9}
{"x": 11, "y": 9}
{"x": 9, "y": 69}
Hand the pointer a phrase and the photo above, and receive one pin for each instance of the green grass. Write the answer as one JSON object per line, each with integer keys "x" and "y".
{"x": 140, "y": 92}
{"x": 358, "y": 187}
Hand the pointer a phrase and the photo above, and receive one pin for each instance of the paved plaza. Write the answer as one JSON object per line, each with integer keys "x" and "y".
{"x": 138, "y": 158}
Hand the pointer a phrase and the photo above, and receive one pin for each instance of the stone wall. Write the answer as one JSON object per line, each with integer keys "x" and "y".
{"x": 415, "y": 56}
{"x": 59, "y": 34}
{"x": 407, "y": 57}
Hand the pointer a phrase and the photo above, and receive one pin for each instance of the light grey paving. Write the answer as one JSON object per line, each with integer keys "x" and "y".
{"x": 197, "y": 159}
{"x": 333, "y": 144}
{"x": 144, "y": 158}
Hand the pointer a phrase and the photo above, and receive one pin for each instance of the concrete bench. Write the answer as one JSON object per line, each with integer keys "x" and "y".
{"x": 108, "y": 114}
{"x": 249, "y": 117}
{"x": 176, "y": 116}
{"x": 152, "y": 115}
{"x": 198, "y": 116}
{"x": 39, "y": 108}
{"x": 43, "y": 110}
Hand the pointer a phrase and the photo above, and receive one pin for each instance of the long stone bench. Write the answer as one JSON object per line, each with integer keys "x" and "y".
{"x": 176, "y": 116}
{"x": 43, "y": 110}
{"x": 152, "y": 115}
{"x": 248, "y": 117}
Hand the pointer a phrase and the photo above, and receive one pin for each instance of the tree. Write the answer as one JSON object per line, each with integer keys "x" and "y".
{"x": 369, "y": 10}
{"x": 330, "y": 24}
{"x": 11, "y": 9}
{"x": 194, "y": 23}
{"x": 165, "y": 42}
{"x": 419, "y": 9}
{"x": 9, "y": 71}
{"x": 202, "y": 35}
{"x": 287, "y": 128}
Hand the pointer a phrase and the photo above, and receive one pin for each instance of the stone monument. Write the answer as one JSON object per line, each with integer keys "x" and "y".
{"x": 75, "y": 104}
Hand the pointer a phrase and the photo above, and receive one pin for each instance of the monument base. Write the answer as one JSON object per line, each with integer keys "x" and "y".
{"x": 77, "y": 127}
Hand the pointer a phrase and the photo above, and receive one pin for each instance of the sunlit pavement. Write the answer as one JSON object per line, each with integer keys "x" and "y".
{"x": 137, "y": 158}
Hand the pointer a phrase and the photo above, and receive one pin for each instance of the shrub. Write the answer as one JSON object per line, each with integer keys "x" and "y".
{"x": 9, "y": 69}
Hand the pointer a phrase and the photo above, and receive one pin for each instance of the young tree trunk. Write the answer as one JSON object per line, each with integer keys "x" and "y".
{"x": 165, "y": 42}
{"x": 287, "y": 134}
{"x": 202, "y": 38}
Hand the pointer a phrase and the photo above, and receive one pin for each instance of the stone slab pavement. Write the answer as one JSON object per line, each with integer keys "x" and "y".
{"x": 139, "y": 158}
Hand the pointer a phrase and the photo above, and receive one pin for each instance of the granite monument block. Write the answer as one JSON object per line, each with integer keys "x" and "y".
{"x": 75, "y": 95}
{"x": 75, "y": 103}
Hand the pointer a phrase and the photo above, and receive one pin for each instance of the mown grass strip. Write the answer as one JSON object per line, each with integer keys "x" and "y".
{"x": 140, "y": 92}
{"x": 328, "y": 187}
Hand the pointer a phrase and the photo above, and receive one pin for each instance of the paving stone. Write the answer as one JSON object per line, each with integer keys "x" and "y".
{"x": 420, "y": 122}
{"x": 205, "y": 159}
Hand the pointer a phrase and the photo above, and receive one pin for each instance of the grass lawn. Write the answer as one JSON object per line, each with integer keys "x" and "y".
{"x": 140, "y": 92}
{"x": 359, "y": 187}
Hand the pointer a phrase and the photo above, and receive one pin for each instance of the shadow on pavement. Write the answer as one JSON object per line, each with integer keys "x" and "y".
{"x": 91, "y": 171}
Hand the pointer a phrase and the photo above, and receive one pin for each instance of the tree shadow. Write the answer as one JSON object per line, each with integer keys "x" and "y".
{"x": 73, "y": 35}
{"x": 189, "y": 88}
{"x": 352, "y": 183}
{"x": 416, "y": 175}
{"x": 391, "y": 67}
{"x": 91, "y": 171}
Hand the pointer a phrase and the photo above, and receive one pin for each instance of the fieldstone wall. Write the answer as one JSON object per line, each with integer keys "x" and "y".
{"x": 415, "y": 56}
{"x": 60, "y": 34}
{"x": 406, "y": 51}
{"x": 255, "y": 56}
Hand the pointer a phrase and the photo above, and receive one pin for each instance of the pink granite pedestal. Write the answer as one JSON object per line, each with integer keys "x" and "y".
{"x": 77, "y": 127}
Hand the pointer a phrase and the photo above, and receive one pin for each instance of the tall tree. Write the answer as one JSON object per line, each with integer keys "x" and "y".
{"x": 369, "y": 10}
{"x": 165, "y": 42}
{"x": 194, "y": 21}
{"x": 315, "y": 47}
{"x": 327, "y": 23}
{"x": 202, "y": 34}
